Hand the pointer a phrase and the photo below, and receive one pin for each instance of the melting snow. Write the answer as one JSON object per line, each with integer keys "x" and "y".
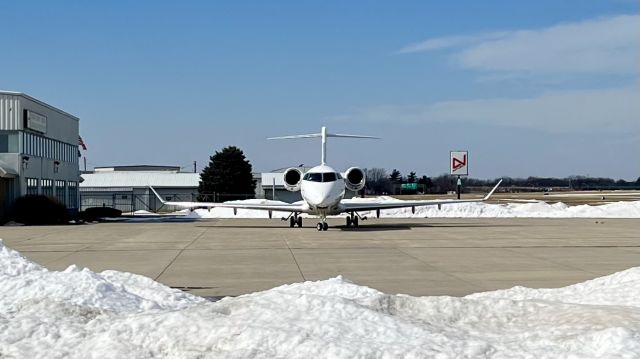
{"x": 77, "y": 313}
{"x": 536, "y": 209}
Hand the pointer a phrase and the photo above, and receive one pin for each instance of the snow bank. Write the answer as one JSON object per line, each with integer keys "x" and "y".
{"x": 80, "y": 314}
{"x": 534, "y": 209}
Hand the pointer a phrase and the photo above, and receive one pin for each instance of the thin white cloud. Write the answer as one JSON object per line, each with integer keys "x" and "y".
{"x": 599, "y": 46}
{"x": 557, "y": 112}
{"x": 449, "y": 42}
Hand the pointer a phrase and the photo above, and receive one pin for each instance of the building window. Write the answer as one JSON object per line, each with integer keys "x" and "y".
{"x": 44, "y": 147}
{"x": 47, "y": 187}
{"x": 32, "y": 186}
{"x": 8, "y": 143}
{"x": 73, "y": 194}
{"x": 61, "y": 191}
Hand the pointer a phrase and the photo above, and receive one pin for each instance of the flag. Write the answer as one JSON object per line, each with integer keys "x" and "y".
{"x": 81, "y": 143}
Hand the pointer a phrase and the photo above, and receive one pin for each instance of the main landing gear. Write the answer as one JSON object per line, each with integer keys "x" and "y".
{"x": 294, "y": 220}
{"x": 352, "y": 220}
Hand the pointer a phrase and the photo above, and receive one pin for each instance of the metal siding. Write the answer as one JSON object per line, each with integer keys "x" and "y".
{"x": 140, "y": 179}
{"x": 10, "y": 113}
{"x": 60, "y": 126}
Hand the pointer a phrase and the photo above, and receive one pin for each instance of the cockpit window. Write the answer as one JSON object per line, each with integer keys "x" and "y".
{"x": 313, "y": 177}
{"x": 321, "y": 177}
{"x": 328, "y": 177}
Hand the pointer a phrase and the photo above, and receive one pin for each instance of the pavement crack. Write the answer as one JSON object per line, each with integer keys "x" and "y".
{"x": 446, "y": 273}
{"x": 294, "y": 259}
{"x": 178, "y": 254}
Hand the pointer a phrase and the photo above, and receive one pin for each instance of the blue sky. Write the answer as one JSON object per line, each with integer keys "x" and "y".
{"x": 540, "y": 88}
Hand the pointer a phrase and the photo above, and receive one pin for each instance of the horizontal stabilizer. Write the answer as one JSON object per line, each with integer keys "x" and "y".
{"x": 324, "y": 135}
{"x": 316, "y": 135}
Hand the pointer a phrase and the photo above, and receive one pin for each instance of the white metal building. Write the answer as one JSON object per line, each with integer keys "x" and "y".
{"x": 127, "y": 187}
{"x": 38, "y": 151}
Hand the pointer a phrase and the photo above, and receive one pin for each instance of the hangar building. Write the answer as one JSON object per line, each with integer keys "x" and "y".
{"x": 127, "y": 187}
{"x": 38, "y": 151}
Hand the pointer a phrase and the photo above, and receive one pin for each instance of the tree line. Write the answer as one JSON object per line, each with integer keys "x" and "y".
{"x": 379, "y": 181}
{"x": 228, "y": 177}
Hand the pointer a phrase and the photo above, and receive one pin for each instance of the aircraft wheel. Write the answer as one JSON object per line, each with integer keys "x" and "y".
{"x": 348, "y": 221}
{"x": 319, "y": 226}
{"x": 299, "y": 222}
{"x": 325, "y": 226}
{"x": 355, "y": 222}
{"x": 292, "y": 222}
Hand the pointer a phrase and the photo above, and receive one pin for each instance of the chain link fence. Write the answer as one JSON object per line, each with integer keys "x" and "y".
{"x": 128, "y": 201}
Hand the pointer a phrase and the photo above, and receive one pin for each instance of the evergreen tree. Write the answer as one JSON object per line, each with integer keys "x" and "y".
{"x": 395, "y": 176}
{"x": 228, "y": 175}
{"x": 411, "y": 178}
{"x": 426, "y": 183}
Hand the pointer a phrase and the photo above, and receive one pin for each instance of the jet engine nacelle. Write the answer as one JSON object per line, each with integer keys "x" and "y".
{"x": 354, "y": 179}
{"x": 292, "y": 179}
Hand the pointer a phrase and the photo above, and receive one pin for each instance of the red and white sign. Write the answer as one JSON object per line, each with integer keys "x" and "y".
{"x": 459, "y": 163}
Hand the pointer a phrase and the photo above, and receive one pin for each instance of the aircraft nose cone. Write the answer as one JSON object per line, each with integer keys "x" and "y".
{"x": 321, "y": 199}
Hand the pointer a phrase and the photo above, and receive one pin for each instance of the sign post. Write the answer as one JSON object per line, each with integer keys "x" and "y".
{"x": 459, "y": 166}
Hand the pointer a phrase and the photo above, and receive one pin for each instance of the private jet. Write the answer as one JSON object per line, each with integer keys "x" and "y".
{"x": 323, "y": 190}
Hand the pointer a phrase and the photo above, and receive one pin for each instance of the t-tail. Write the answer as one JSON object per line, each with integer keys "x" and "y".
{"x": 324, "y": 135}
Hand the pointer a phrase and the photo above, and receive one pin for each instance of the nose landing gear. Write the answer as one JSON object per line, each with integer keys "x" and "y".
{"x": 322, "y": 226}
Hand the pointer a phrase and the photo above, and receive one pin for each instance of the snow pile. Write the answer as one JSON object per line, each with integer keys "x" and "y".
{"x": 534, "y": 209}
{"x": 80, "y": 314}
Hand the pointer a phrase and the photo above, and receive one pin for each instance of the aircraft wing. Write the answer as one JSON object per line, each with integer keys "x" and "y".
{"x": 280, "y": 207}
{"x": 355, "y": 205}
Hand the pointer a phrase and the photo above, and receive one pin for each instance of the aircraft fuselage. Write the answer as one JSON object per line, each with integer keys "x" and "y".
{"x": 322, "y": 188}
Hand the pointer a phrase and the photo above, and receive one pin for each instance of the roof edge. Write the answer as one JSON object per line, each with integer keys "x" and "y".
{"x": 22, "y": 94}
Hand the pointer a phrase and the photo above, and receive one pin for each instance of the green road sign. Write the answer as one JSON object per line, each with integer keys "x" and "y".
{"x": 411, "y": 186}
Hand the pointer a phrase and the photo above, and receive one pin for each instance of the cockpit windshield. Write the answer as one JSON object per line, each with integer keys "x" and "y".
{"x": 328, "y": 177}
{"x": 321, "y": 177}
{"x": 313, "y": 177}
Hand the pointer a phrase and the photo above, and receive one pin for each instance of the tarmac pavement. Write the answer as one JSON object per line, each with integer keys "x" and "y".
{"x": 412, "y": 256}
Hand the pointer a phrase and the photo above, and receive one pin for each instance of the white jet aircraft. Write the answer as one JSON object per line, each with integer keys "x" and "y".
{"x": 322, "y": 189}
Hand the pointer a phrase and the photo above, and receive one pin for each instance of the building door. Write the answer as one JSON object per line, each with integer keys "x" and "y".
{"x": 6, "y": 195}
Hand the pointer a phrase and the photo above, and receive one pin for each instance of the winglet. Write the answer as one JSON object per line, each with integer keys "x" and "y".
{"x": 157, "y": 195}
{"x": 493, "y": 190}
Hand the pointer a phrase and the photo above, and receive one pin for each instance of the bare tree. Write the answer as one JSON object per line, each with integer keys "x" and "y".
{"x": 377, "y": 180}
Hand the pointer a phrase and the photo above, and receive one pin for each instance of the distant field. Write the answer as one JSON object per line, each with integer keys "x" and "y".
{"x": 570, "y": 198}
